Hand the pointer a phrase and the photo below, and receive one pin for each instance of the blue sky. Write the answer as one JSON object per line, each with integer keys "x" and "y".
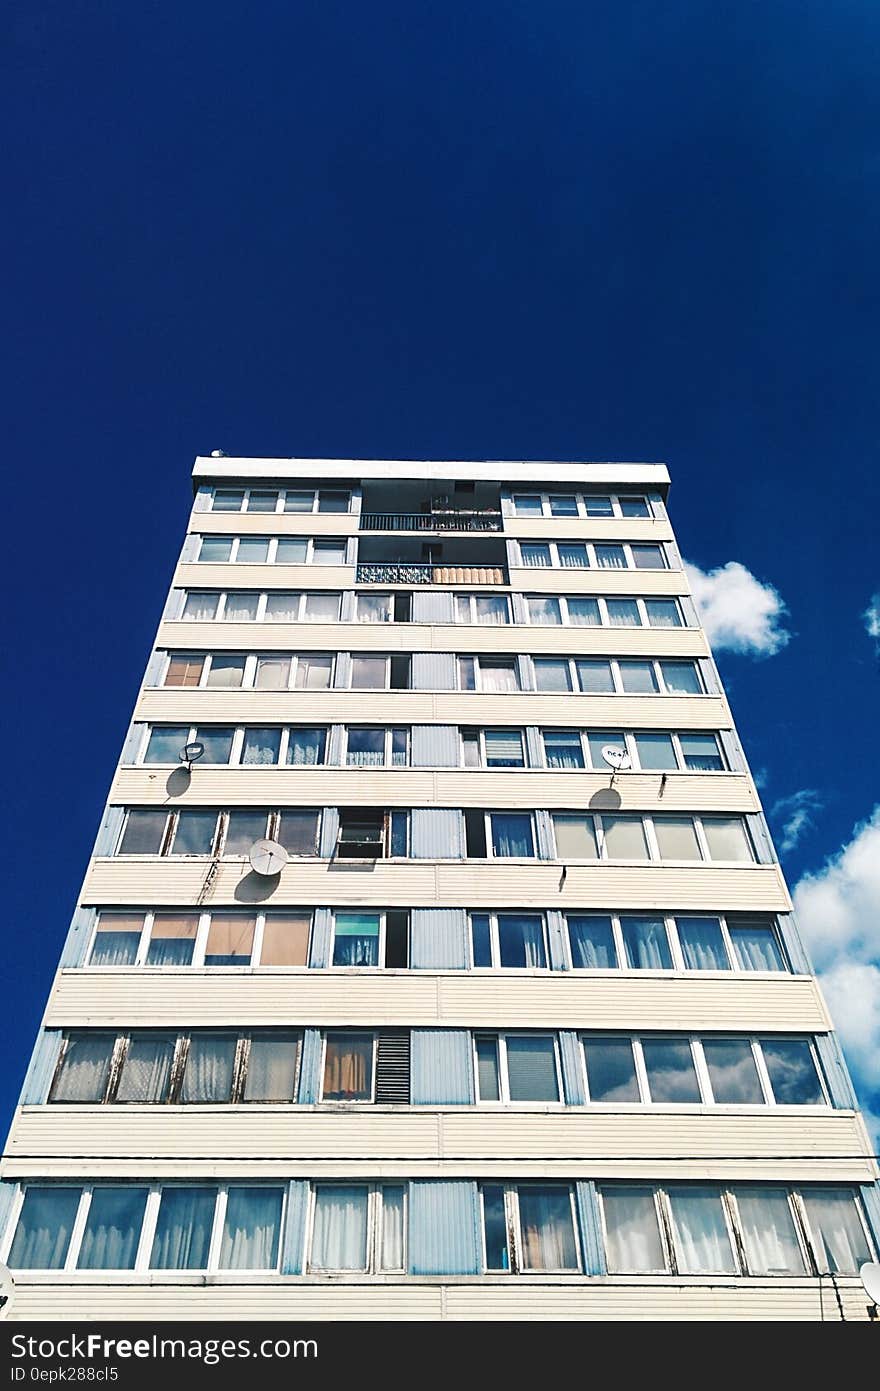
{"x": 601, "y": 230}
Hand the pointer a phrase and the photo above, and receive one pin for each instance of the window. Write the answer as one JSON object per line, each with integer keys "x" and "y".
{"x": 702, "y": 944}
{"x": 272, "y": 1066}
{"x": 553, "y": 674}
{"x": 634, "y": 507}
{"x": 330, "y": 552}
{"x": 377, "y": 748}
{"x": 633, "y": 1243}
{"x": 563, "y": 505}
{"x": 645, "y": 944}
{"x": 727, "y": 838}
{"x": 144, "y": 833}
{"x": 194, "y": 833}
{"x": 172, "y": 939}
{"x": 563, "y": 748}
{"x": 680, "y": 678}
{"x": 298, "y": 830}
{"x": 242, "y": 829}
{"x": 583, "y": 613}
{"x": 511, "y": 835}
{"x": 375, "y": 608}
{"x": 529, "y": 1227}
{"x": 285, "y": 939}
{"x": 623, "y": 838}
{"x": 83, "y": 1070}
{"x": 252, "y": 550}
{"x": 226, "y": 670}
{"x": 355, "y": 1227}
{"x": 209, "y": 1071}
{"x": 334, "y": 500}
{"x": 306, "y": 747}
{"x": 510, "y": 940}
{"x": 241, "y": 608}
{"x": 598, "y": 506}
{"x": 113, "y": 1227}
{"x": 656, "y": 752}
{"x": 356, "y": 939}
{"x": 663, "y": 613}
{"x": 200, "y": 606}
{"x": 527, "y": 504}
{"x": 669, "y": 1066}
{"x": 755, "y": 946}
{"x": 591, "y": 942}
{"x": 573, "y": 555}
{"x": 314, "y": 671}
{"x": 369, "y": 673}
{"x": 575, "y": 837}
{"x": 544, "y": 609}
{"x": 700, "y": 1232}
{"x": 610, "y": 557}
{"x": 536, "y": 555}
{"x": 45, "y": 1223}
{"x": 769, "y": 1234}
{"x": 676, "y": 838}
{"x": 700, "y": 753}
{"x": 272, "y": 673}
{"x": 230, "y": 940}
{"x": 117, "y": 938}
{"x": 648, "y": 557}
{"x": 166, "y": 744}
{"x": 504, "y": 748}
{"x": 292, "y": 550}
{"x": 261, "y": 746}
{"x": 838, "y": 1237}
{"x": 594, "y": 676}
{"x": 145, "y": 1076}
{"x": 487, "y": 674}
{"x": 184, "y": 670}
{"x": 182, "y": 1237}
{"x": 611, "y": 1070}
{"x": 623, "y": 613}
{"x": 733, "y": 1072}
{"x": 638, "y": 678}
{"x": 516, "y": 1067}
{"x": 348, "y": 1067}
{"x": 792, "y": 1071}
{"x": 251, "y": 1229}
{"x": 215, "y": 549}
{"x": 228, "y": 500}
{"x": 366, "y": 834}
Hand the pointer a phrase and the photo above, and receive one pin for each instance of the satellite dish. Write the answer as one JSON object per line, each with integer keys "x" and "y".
{"x": 190, "y": 752}
{"x": 870, "y": 1277}
{"x": 7, "y": 1291}
{"x": 616, "y": 757}
{"x": 267, "y": 857}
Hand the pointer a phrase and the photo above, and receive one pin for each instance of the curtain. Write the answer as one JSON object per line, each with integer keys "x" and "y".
{"x": 676, "y": 838}
{"x": 240, "y": 608}
{"x": 83, "y": 1075}
{"x": 562, "y": 749}
{"x": 646, "y": 944}
{"x": 172, "y": 940}
{"x": 285, "y": 939}
{"x": 768, "y": 1232}
{"x": 273, "y": 673}
{"x": 838, "y": 1238}
{"x": 702, "y": 945}
{"x": 575, "y": 838}
{"x": 727, "y": 838}
{"x": 306, "y": 746}
{"x": 573, "y": 557}
{"x": 491, "y": 609}
{"x": 610, "y": 558}
{"x": 321, "y": 608}
{"x": 146, "y": 1072}
{"x": 584, "y": 613}
{"x": 200, "y": 607}
{"x": 498, "y": 676}
{"x": 592, "y": 943}
{"x": 623, "y": 613}
{"x": 702, "y": 1243}
{"x": 117, "y": 939}
{"x": 271, "y": 1069}
{"x": 282, "y": 608}
{"x": 183, "y": 1229}
{"x": 544, "y": 610}
{"x": 547, "y": 1230}
{"x": 261, "y": 746}
{"x": 535, "y": 556}
{"x": 512, "y": 836}
{"x": 112, "y": 1229}
{"x": 339, "y": 1233}
{"x": 374, "y": 608}
{"x": 755, "y": 948}
{"x": 521, "y": 940}
{"x": 348, "y": 1067}
{"x": 624, "y": 838}
{"x": 44, "y": 1227}
{"x": 209, "y": 1067}
{"x": 392, "y": 1255}
{"x": 356, "y": 940}
{"x": 251, "y": 1229}
{"x": 366, "y": 748}
{"x": 633, "y": 1236}
{"x": 230, "y": 940}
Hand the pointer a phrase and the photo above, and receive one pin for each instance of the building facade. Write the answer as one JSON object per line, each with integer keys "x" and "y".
{"x": 522, "y": 1027}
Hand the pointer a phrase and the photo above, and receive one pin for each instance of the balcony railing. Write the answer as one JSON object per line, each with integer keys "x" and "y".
{"x": 401, "y": 572}
{"x": 431, "y": 521}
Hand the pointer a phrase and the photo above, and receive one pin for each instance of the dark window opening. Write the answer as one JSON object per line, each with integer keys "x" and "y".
{"x": 397, "y": 940}
{"x": 475, "y": 835}
{"x": 400, "y": 664}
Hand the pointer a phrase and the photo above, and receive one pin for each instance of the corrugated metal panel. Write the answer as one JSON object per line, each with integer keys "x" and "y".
{"x": 871, "y": 1201}
{"x": 329, "y": 832}
{"x": 525, "y": 672}
{"x": 534, "y": 747}
{"x": 438, "y": 940}
{"x": 590, "y": 1224}
{"x": 294, "y": 1238}
{"x": 321, "y": 945}
{"x": 335, "y": 742}
{"x": 435, "y": 746}
{"x": 41, "y": 1068}
{"x": 109, "y": 831}
{"x": 347, "y": 607}
{"x": 572, "y": 1068}
{"x": 733, "y": 751}
{"x": 342, "y": 671}
{"x": 761, "y": 839}
{"x": 132, "y": 743}
{"x": 444, "y": 1234}
{"x": 432, "y": 606}
{"x": 202, "y": 499}
{"x": 837, "y": 1076}
{"x": 436, "y": 833}
{"x": 190, "y": 548}
{"x": 689, "y": 611}
{"x": 710, "y": 676}
{"x": 442, "y": 1067}
{"x": 791, "y": 939}
{"x": 76, "y": 943}
{"x": 556, "y": 935}
{"x": 7, "y": 1198}
{"x": 310, "y": 1067}
{"x": 105, "y": 998}
{"x": 433, "y": 671}
{"x": 154, "y": 674}
{"x": 544, "y": 826}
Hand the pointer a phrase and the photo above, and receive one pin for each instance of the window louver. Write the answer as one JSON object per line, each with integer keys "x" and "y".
{"x": 392, "y": 1067}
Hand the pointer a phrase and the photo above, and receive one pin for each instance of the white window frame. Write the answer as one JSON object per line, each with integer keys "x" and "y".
{"x": 591, "y": 557}
{"x": 387, "y": 749}
{"x": 380, "y": 913}
{"x": 513, "y": 1228}
{"x": 662, "y": 1225}
{"x": 280, "y": 501}
{"x": 375, "y": 1199}
{"x": 500, "y": 1037}
{"x": 495, "y": 942}
{"x": 311, "y": 543}
{"x": 489, "y": 657}
{"x": 604, "y": 619}
{"x": 580, "y": 500}
{"x": 370, "y": 656}
{"x": 470, "y": 599}
{"x": 200, "y": 941}
{"x": 365, "y": 1101}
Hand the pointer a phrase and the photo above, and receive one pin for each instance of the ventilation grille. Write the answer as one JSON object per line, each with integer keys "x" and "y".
{"x": 392, "y": 1067}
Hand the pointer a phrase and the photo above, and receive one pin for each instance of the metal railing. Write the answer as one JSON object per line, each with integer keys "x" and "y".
{"x": 430, "y": 521}
{"x": 401, "y": 572}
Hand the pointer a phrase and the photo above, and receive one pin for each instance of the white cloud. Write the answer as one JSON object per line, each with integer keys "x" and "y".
{"x": 796, "y": 815}
{"x": 739, "y": 613}
{"x": 838, "y": 912}
{"x": 872, "y": 617}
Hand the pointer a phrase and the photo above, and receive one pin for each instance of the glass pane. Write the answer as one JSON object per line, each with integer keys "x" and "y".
{"x": 252, "y": 550}
{"x": 45, "y": 1222}
{"x": 793, "y": 1075}
{"x": 624, "y": 838}
{"x": 251, "y": 1229}
{"x": 572, "y": 555}
{"x": 702, "y": 944}
{"x": 531, "y": 1069}
{"x": 261, "y": 501}
{"x": 768, "y": 1231}
{"x": 339, "y": 1232}
{"x": 184, "y": 671}
{"x": 601, "y": 739}
{"x": 575, "y": 838}
{"x": 172, "y": 939}
{"x": 306, "y": 747}
{"x": 535, "y": 556}
{"x": 241, "y": 607}
{"x": 727, "y": 838}
{"x": 377, "y": 608}
{"x": 283, "y": 607}
{"x": 733, "y": 1072}
{"x": 200, "y": 607}
{"x": 273, "y": 673}
{"x": 527, "y": 504}
{"x": 210, "y": 1063}
{"x": 680, "y": 678}
{"x": 217, "y": 744}
{"x": 262, "y": 746}
{"x": 143, "y": 834}
{"x": 623, "y": 613}
{"x": 467, "y": 680}
{"x": 546, "y": 1223}
{"x": 521, "y": 940}
{"x": 366, "y": 748}
{"x": 333, "y": 501}
{"x": 495, "y": 1227}
{"x": 228, "y": 500}
{"x": 183, "y": 1229}
{"x": 656, "y": 752}
{"x": 298, "y": 501}
{"x": 669, "y": 1064}
{"x": 591, "y": 941}
{"x": 490, "y": 609}
{"x": 271, "y": 1067}
{"x": 583, "y": 613}
{"x": 328, "y": 553}
{"x": 348, "y": 1067}
{"x": 512, "y": 836}
{"x": 369, "y": 673}
{"x": 146, "y": 1072}
{"x": 611, "y": 1069}
{"x": 113, "y": 1228}
{"x": 755, "y": 947}
{"x": 504, "y": 748}
{"x": 242, "y": 829}
{"x": 632, "y": 1232}
{"x": 663, "y": 613}
{"x": 321, "y": 608}
{"x": 391, "y": 1243}
{"x": 498, "y": 676}
{"x": 356, "y": 939}
{"x": 595, "y": 677}
{"x": 702, "y": 1243}
{"x": 563, "y": 749}
{"x": 563, "y": 505}
{"x": 195, "y": 833}
{"x": 838, "y": 1237}
{"x": 285, "y": 939}
{"x": 292, "y": 550}
{"x": 645, "y": 944}
{"x": 598, "y": 506}
{"x": 611, "y": 557}
{"x": 552, "y": 675}
{"x": 634, "y": 507}
{"x": 314, "y": 671}
{"x": 480, "y": 937}
{"x": 298, "y": 832}
{"x": 637, "y": 678}
{"x": 117, "y": 939}
{"x": 399, "y": 748}
{"x": 676, "y": 838}
{"x": 230, "y": 940}
{"x": 85, "y": 1068}
{"x": 701, "y": 753}
{"x": 648, "y": 557}
{"x": 544, "y": 610}
{"x": 488, "y": 1088}
{"x": 226, "y": 671}
{"x": 215, "y": 549}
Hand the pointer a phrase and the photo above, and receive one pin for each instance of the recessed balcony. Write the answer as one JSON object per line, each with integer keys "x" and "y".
{"x": 438, "y": 506}
{"x": 405, "y": 560}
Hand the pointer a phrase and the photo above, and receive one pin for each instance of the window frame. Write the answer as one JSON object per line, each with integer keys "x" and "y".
{"x": 495, "y": 940}
{"x": 388, "y": 732}
{"x": 601, "y": 601}
{"x": 580, "y": 498}
{"x": 312, "y": 544}
{"x": 354, "y": 1103}
{"x": 280, "y": 500}
{"x": 205, "y": 917}
{"x": 375, "y": 1205}
{"x": 513, "y": 1229}
{"x": 500, "y": 1038}
{"x": 591, "y": 555}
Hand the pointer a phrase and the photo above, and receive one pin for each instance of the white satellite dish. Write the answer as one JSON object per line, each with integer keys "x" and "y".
{"x": 267, "y": 857}
{"x": 616, "y": 757}
{"x": 870, "y": 1276}
{"x": 7, "y": 1290}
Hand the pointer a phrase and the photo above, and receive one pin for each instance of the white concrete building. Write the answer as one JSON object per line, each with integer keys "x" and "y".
{"x": 504, "y": 1038}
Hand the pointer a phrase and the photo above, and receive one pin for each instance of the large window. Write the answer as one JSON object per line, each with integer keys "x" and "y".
{"x": 482, "y": 609}
{"x": 587, "y": 836}
{"x": 272, "y": 550}
{"x": 648, "y": 752}
{"x": 607, "y": 676}
{"x": 358, "y": 1227}
{"x": 529, "y": 1227}
{"x": 603, "y": 611}
{"x": 371, "y": 939}
{"x": 205, "y": 833}
{"x": 516, "y": 1067}
{"x": 370, "y": 746}
{"x": 280, "y": 500}
{"x": 494, "y": 674}
{"x": 563, "y": 504}
{"x": 221, "y": 938}
{"x": 348, "y": 1067}
{"x": 514, "y": 941}
{"x": 581, "y": 555}
{"x": 657, "y": 942}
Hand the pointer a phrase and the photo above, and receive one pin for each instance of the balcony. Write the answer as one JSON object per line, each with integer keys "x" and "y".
{"x": 435, "y": 520}
{"x": 401, "y": 572}
{"x": 454, "y": 560}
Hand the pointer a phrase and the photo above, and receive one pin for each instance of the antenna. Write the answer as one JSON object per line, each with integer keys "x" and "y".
{"x": 617, "y": 759}
{"x": 870, "y": 1277}
{"x": 267, "y": 858}
{"x": 190, "y": 753}
{"x": 7, "y": 1291}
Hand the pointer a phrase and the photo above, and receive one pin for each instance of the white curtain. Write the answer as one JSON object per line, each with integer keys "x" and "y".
{"x": 633, "y": 1236}
{"x": 573, "y": 557}
{"x": 544, "y": 610}
{"x": 392, "y": 1257}
{"x": 755, "y": 948}
{"x": 282, "y": 608}
{"x": 251, "y": 1229}
{"x": 183, "y": 1229}
{"x": 623, "y": 613}
{"x": 610, "y": 557}
{"x": 321, "y": 608}
{"x": 339, "y": 1235}
{"x": 83, "y": 1075}
{"x": 592, "y": 943}
{"x": 261, "y": 746}
{"x": 584, "y": 613}
{"x": 521, "y": 940}
{"x": 147, "y": 1070}
{"x": 548, "y": 1241}
{"x": 305, "y": 746}
{"x": 201, "y": 607}
{"x": 838, "y": 1238}
{"x": 313, "y": 671}
{"x": 702, "y": 1243}
{"x": 702, "y": 945}
{"x": 114, "y": 948}
{"x": 44, "y": 1227}
{"x": 209, "y": 1068}
{"x": 113, "y": 1228}
{"x": 497, "y": 677}
{"x": 271, "y": 1070}
{"x": 769, "y": 1232}
{"x": 512, "y": 836}
{"x": 646, "y": 944}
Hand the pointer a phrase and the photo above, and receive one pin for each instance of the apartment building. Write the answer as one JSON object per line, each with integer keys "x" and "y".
{"x": 510, "y": 1018}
